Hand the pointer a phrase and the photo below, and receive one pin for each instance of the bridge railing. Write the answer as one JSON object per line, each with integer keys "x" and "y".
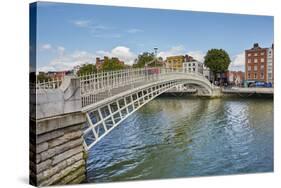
{"x": 95, "y": 87}
{"x": 49, "y": 84}
{"x": 98, "y": 86}
{"x": 99, "y": 82}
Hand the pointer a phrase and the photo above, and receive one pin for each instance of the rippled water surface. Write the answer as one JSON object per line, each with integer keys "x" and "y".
{"x": 183, "y": 137}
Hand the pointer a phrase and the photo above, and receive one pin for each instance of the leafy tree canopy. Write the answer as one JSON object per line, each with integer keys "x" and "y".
{"x": 142, "y": 59}
{"x": 111, "y": 65}
{"x": 87, "y": 69}
{"x": 42, "y": 77}
{"x": 217, "y": 60}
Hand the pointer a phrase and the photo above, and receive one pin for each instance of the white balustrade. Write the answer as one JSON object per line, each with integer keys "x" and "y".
{"x": 99, "y": 86}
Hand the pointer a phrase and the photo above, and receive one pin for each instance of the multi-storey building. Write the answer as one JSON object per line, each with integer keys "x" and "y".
{"x": 193, "y": 66}
{"x": 76, "y": 69}
{"x": 175, "y": 62}
{"x": 235, "y": 77}
{"x": 207, "y": 73}
{"x": 188, "y": 58}
{"x": 99, "y": 62}
{"x": 259, "y": 64}
{"x": 55, "y": 74}
{"x": 270, "y": 64}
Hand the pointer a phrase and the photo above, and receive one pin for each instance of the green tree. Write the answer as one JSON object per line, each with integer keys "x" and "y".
{"x": 111, "y": 65}
{"x": 217, "y": 60}
{"x": 142, "y": 59}
{"x": 42, "y": 77}
{"x": 87, "y": 69}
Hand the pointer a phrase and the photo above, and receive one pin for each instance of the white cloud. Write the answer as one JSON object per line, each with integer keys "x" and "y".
{"x": 180, "y": 50}
{"x": 198, "y": 55}
{"x": 238, "y": 62}
{"x": 68, "y": 61}
{"x": 46, "y": 47}
{"x": 60, "y": 50}
{"x": 134, "y": 30}
{"x": 95, "y": 28}
{"x": 176, "y": 50}
{"x": 98, "y": 28}
{"x": 82, "y": 23}
{"x": 107, "y": 35}
{"x": 122, "y": 52}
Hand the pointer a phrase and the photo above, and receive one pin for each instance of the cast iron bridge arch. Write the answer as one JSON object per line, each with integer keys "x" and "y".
{"x": 108, "y": 98}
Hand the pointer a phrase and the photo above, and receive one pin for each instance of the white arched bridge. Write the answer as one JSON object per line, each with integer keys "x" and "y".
{"x": 108, "y": 98}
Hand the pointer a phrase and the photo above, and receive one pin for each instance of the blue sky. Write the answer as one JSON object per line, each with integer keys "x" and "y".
{"x": 71, "y": 34}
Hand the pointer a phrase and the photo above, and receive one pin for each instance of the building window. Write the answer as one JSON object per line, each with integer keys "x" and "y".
{"x": 269, "y": 76}
{"x": 189, "y": 64}
{"x": 249, "y": 55}
{"x": 262, "y": 76}
{"x": 255, "y": 60}
{"x": 193, "y": 69}
{"x": 256, "y": 54}
{"x": 262, "y": 67}
{"x": 269, "y": 69}
{"x": 193, "y": 64}
{"x": 249, "y": 75}
{"x": 255, "y": 75}
{"x": 255, "y": 68}
{"x": 249, "y": 60}
{"x": 262, "y": 60}
{"x": 262, "y": 53}
{"x": 269, "y": 64}
{"x": 249, "y": 68}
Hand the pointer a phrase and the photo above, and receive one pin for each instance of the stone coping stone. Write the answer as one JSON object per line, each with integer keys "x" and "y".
{"x": 57, "y": 122}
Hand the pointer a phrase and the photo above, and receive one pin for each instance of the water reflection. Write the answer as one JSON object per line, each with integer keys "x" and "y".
{"x": 179, "y": 137}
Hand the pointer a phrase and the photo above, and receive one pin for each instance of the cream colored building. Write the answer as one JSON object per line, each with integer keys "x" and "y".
{"x": 175, "y": 62}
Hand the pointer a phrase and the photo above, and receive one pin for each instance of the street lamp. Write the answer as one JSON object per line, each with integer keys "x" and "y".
{"x": 155, "y": 55}
{"x": 155, "y": 51}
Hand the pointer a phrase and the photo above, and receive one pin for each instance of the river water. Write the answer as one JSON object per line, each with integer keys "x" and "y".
{"x": 185, "y": 137}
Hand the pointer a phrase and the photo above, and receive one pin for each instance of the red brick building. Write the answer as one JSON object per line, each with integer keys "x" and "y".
{"x": 99, "y": 62}
{"x": 259, "y": 64}
{"x": 235, "y": 77}
{"x": 188, "y": 58}
{"x": 56, "y": 74}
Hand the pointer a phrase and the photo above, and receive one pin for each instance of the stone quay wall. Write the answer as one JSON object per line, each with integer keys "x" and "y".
{"x": 58, "y": 155}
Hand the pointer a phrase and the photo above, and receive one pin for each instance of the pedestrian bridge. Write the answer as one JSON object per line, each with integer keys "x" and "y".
{"x": 108, "y": 98}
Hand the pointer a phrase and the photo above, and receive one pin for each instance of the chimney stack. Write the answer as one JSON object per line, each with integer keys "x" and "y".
{"x": 256, "y": 45}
